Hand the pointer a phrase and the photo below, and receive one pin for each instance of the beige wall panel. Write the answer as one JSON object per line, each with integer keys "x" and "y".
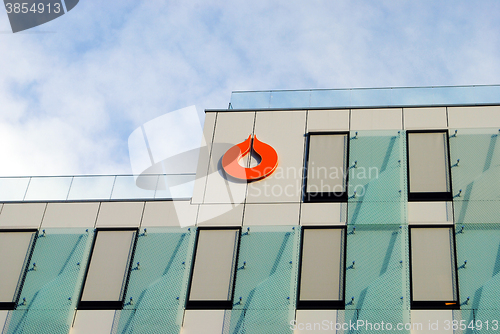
{"x": 284, "y": 131}
{"x": 120, "y": 214}
{"x": 22, "y": 215}
{"x": 14, "y": 248}
{"x": 93, "y": 322}
{"x": 321, "y": 274}
{"x": 328, "y": 120}
{"x": 70, "y": 214}
{"x": 323, "y": 213}
{"x": 474, "y": 117}
{"x": 377, "y": 119}
{"x": 425, "y": 118}
{"x": 1, "y": 207}
{"x": 426, "y": 317}
{"x": 432, "y": 264}
{"x": 203, "y": 321}
{"x": 271, "y": 214}
{"x": 214, "y": 265}
{"x": 430, "y": 212}
{"x": 327, "y": 156}
{"x": 3, "y": 317}
{"x": 108, "y": 266}
{"x": 220, "y": 215}
{"x": 204, "y": 158}
{"x": 231, "y": 128}
{"x": 428, "y": 162}
{"x": 313, "y": 321}
{"x": 169, "y": 213}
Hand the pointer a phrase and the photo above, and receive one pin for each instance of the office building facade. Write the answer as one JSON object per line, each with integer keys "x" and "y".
{"x": 318, "y": 211}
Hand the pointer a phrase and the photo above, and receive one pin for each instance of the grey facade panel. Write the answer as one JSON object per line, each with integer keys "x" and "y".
{"x": 108, "y": 266}
{"x": 214, "y": 265}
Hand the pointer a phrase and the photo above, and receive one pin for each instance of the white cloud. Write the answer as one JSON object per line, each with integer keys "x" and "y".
{"x": 70, "y": 99}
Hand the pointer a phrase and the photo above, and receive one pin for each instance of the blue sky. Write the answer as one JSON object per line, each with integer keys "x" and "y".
{"x": 73, "y": 90}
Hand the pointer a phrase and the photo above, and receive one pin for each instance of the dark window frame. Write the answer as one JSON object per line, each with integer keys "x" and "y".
{"x": 108, "y": 305}
{"x": 212, "y": 304}
{"x": 429, "y": 196}
{"x": 327, "y": 196}
{"x": 323, "y": 304}
{"x": 7, "y": 306}
{"x": 435, "y": 305}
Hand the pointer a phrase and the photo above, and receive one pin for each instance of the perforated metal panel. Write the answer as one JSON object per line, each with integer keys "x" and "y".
{"x": 377, "y": 172}
{"x": 158, "y": 282}
{"x": 379, "y": 277}
{"x": 266, "y": 280}
{"x": 52, "y": 290}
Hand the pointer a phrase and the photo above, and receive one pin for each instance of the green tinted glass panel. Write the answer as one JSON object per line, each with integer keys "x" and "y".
{"x": 157, "y": 285}
{"x": 379, "y": 277}
{"x": 377, "y": 173}
{"x": 53, "y": 282}
{"x": 266, "y": 280}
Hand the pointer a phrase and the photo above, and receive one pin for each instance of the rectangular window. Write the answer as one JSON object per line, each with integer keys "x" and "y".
{"x": 326, "y": 167}
{"x": 433, "y": 268}
{"x": 428, "y": 166}
{"x": 214, "y": 269}
{"x": 15, "y": 253}
{"x": 107, "y": 273}
{"x": 321, "y": 283}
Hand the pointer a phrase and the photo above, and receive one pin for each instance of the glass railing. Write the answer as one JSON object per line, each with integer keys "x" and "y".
{"x": 366, "y": 97}
{"x": 96, "y": 187}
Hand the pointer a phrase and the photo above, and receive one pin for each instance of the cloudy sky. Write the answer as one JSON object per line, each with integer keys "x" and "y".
{"x": 74, "y": 89}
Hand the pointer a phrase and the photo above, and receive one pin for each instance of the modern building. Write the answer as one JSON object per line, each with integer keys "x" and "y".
{"x": 311, "y": 211}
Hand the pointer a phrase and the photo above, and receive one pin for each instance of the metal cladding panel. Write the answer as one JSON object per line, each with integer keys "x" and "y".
{"x": 377, "y": 283}
{"x": 323, "y": 213}
{"x": 14, "y": 254}
{"x": 203, "y": 321}
{"x": 322, "y": 272}
{"x": 377, "y": 173}
{"x": 425, "y": 118}
{"x": 157, "y": 286}
{"x": 377, "y": 119}
{"x": 70, "y": 215}
{"x": 271, "y": 214}
{"x": 428, "y": 162}
{"x": 51, "y": 291}
{"x": 213, "y": 270}
{"x": 93, "y": 321}
{"x": 220, "y": 215}
{"x": 284, "y": 131}
{"x": 430, "y": 212}
{"x": 326, "y": 164}
{"x": 441, "y": 321}
{"x": 307, "y": 320}
{"x": 204, "y": 158}
{"x": 474, "y": 117}
{"x": 169, "y": 213}
{"x": 120, "y": 214}
{"x": 433, "y": 264}
{"x": 266, "y": 280}
{"x": 22, "y": 215}
{"x": 108, "y": 266}
{"x": 231, "y": 128}
{"x": 328, "y": 120}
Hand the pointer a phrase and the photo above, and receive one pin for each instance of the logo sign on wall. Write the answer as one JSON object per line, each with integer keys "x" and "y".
{"x": 267, "y": 165}
{"x": 26, "y": 14}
